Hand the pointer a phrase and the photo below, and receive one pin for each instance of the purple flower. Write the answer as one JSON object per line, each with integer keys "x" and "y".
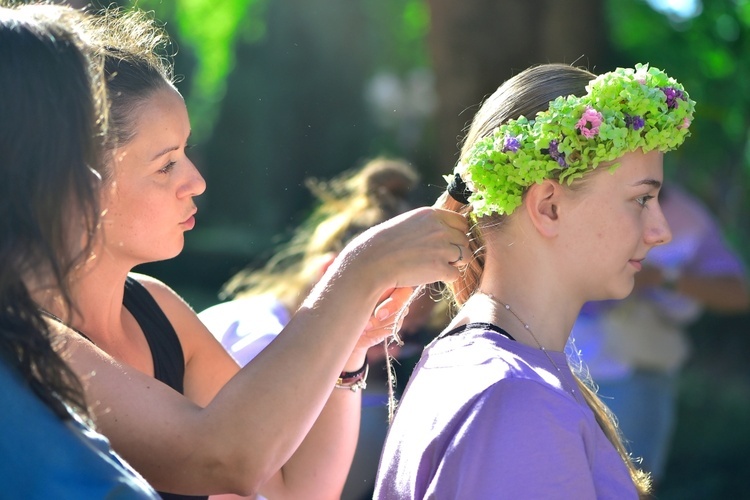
{"x": 511, "y": 143}
{"x": 555, "y": 154}
{"x": 635, "y": 122}
{"x": 672, "y": 95}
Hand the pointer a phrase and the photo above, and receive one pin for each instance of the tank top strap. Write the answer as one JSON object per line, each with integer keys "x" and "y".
{"x": 166, "y": 350}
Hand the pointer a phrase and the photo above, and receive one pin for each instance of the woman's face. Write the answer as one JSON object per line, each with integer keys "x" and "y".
{"x": 615, "y": 221}
{"x": 149, "y": 201}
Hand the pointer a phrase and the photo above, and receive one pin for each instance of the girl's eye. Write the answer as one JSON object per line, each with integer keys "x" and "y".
{"x": 167, "y": 168}
{"x": 643, "y": 200}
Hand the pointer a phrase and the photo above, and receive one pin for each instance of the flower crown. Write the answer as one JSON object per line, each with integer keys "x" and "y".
{"x": 623, "y": 110}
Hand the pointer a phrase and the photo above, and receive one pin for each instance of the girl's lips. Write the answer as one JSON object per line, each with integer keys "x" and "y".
{"x": 637, "y": 264}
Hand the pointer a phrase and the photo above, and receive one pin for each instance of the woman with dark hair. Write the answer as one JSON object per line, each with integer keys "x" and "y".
{"x": 169, "y": 397}
{"x": 51, "y": 97}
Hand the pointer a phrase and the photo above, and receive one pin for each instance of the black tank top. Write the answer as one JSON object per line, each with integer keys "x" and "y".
{"x": 166, "y": 350}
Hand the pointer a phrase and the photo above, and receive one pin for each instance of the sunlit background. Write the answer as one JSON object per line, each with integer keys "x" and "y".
{"x": 282, "y": 90}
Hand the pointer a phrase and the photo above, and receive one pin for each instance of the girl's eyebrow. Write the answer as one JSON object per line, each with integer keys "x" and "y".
{"x": 648, "y": 182}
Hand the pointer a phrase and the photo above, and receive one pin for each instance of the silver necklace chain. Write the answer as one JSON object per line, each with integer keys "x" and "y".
{"x": 541, "y": 347}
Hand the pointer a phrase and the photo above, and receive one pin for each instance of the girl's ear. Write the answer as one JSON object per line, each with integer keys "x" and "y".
{"x": 542, "y": 203}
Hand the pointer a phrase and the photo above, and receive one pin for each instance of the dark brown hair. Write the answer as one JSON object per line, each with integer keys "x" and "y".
{"x": 50, "y": 141}
{"x": 137, "y": 63}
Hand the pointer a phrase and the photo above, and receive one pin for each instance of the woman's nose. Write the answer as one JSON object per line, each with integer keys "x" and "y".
{"x": 194, "y": 185}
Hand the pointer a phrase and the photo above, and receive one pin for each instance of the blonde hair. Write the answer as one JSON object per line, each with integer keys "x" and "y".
{"x": 526, "y": 94}
{"x": 347, "y": 205}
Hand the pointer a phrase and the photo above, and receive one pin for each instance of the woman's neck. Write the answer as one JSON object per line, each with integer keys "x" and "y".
{"x": 97, "y": 292}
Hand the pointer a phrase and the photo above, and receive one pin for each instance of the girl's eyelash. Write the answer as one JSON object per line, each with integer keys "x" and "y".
{"x": 167, "y": 168}
{"x": 642, "y": 200}
{"x": 189, "y": 147}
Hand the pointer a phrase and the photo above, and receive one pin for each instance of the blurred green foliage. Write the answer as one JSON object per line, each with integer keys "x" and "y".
{"x": 400, "y": 29}
{"x": 211, "y": 29}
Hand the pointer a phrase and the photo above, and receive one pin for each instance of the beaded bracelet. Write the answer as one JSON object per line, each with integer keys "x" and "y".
{"x": 354, "y": 381}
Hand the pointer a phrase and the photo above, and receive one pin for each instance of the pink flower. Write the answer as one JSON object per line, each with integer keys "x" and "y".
{"x": 589, "y": 122}
{"x": 685, "y": 123}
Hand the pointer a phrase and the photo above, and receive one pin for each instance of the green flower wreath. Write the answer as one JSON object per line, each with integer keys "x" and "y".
{"x": 623, "y": 110}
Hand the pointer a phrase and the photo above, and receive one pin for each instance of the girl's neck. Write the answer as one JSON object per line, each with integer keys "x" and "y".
{"x": 523, "y": 273}
{"x": 539, "y": 330}
{"x": 523, "y": 305}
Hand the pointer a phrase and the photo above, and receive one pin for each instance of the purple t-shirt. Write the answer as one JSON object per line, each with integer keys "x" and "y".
{"x": 487, "y": 417}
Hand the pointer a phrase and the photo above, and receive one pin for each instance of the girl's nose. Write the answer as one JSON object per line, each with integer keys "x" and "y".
{"x": 658, "y": 232}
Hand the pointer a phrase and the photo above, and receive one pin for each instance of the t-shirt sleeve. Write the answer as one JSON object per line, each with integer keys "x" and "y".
{"x": 44, "y": 457}
{"x": 245, "y": 326}
{"x": 519, "y": 440}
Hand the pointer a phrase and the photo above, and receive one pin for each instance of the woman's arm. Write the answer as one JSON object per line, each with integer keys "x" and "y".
{"x": 261, "y": 416}
{"x": 320, "y": 466}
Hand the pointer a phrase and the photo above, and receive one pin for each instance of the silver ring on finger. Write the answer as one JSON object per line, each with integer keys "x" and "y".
{"x": 460, "y": 255}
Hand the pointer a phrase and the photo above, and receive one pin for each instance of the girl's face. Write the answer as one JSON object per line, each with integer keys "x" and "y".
{"x": 615, "y": 221}
{"x": 149, "y": 202}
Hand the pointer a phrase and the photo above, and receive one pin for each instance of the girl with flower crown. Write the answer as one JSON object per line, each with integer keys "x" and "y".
{"x": 560, "y": 174}
{"x": 163, "y": 390}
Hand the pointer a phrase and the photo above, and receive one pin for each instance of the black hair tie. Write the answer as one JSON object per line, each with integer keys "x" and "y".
{"x": 458, "y": 190}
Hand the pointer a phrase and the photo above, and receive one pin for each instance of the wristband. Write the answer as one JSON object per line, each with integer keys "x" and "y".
{"x": 354, "y": 381}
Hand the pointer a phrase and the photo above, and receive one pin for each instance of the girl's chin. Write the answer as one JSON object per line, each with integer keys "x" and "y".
{"x": 618, "y": 293}
{"x": 625, "y": 291}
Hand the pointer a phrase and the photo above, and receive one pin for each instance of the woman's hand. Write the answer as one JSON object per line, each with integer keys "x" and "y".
{"x": 421, "y": 246}
{"x": 386, "y": 319}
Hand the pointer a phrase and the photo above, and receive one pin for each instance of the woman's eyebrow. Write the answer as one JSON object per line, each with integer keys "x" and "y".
{"x": 169, "y": 149}
{"x": 165, "y": 151}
